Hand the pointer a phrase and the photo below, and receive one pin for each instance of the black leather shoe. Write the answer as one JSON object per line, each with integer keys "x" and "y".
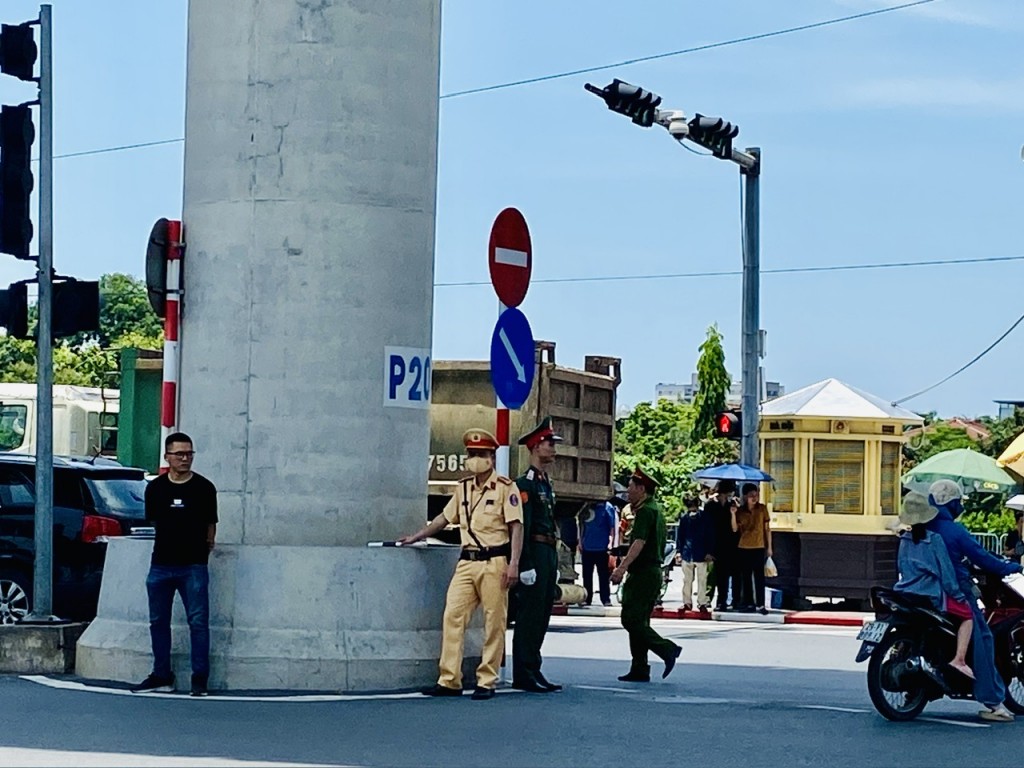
{"x": 482, "y": 694}
{"x": 441, "y": 690}
{"x": 530, "y": 686}
{"x": 670, "y": 662}
{"x": 635, "y": 678}
{"x": 545, "y": 683}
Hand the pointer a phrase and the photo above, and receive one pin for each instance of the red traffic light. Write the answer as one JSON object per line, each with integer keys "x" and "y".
{"x": 728, "y": 424}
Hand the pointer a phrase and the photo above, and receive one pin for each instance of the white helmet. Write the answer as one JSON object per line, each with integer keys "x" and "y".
{"x": 942, "y": 492}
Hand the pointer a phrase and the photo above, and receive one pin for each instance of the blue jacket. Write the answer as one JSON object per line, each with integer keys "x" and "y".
{"x": 597, "y": 532}
{"x": 925, "y": 569}
{"x": 695, "y": 536}
{"x": 961, "y": 544}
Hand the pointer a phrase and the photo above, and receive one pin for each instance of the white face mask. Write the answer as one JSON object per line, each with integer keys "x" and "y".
{"x": 479, "y": 464}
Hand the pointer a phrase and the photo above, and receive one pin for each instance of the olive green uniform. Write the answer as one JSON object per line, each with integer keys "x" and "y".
{"x": 642, "y": 588}
{"x": 533, "y": 612}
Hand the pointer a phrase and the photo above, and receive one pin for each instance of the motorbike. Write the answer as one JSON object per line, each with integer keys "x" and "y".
{"x": 909, "y": 644}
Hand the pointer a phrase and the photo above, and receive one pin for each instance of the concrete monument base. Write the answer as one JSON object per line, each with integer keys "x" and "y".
{"x": 287, "y": 618}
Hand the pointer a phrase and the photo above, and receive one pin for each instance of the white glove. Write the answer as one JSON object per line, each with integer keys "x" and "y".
{"x": 528, "y": 578}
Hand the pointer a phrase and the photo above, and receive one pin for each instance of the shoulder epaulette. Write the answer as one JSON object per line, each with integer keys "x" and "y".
{"x": 530, "y": 474}
{"x": 504, "y": 480}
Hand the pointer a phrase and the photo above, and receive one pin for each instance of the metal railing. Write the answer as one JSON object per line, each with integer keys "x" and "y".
{"x": 993, "y": 542}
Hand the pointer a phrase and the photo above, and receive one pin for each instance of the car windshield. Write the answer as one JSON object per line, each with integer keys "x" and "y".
{"x": 121, "y": 494}
{"x": 12, "y": 426}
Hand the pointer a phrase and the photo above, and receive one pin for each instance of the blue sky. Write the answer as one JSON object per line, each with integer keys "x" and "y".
{"x": 894, "y": 138}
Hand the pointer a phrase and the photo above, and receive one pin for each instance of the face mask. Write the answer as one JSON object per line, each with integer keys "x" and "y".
{"x": 479, "y": 464}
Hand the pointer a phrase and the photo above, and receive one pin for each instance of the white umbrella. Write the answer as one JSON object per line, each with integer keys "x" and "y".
{"x": 1017, "y": 502}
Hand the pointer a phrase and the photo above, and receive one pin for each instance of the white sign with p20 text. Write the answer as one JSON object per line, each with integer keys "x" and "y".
{"x": 406, "y": 377}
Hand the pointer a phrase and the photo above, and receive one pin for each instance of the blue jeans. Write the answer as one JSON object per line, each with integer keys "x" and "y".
{"x": 989, "y": 688}
{"x": 192, "y": 582}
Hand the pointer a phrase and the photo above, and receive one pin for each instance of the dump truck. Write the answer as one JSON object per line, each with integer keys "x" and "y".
{"x": 581, "y": 404}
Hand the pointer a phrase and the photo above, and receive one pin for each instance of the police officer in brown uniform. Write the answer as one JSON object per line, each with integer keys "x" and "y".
{"x": 487, "y": 509}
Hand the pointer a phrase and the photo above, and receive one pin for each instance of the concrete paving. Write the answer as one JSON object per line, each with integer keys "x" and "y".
{"x": 743, "y": 694}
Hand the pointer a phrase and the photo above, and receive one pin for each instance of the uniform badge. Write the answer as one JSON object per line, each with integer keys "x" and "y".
{"x": 513, "y": 500}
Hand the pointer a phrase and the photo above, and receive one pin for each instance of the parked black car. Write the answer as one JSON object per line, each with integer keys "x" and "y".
{"x": 92, "y": 500}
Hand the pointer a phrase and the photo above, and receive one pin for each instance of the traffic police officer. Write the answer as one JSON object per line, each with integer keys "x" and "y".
{"x": 642, "y": 589}
{"x": 487, "y": 509}
{"x": 539, "y": 563}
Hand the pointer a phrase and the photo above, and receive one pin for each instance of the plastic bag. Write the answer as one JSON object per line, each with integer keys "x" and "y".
{"x": 528, "y": 578}
{"x": 770, "y": 571}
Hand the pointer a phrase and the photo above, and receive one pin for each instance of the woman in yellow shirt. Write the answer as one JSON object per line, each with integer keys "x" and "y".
{"x": 750, "y": 521}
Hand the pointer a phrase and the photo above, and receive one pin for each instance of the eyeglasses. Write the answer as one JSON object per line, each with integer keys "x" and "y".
{"x": 182, "y": 454}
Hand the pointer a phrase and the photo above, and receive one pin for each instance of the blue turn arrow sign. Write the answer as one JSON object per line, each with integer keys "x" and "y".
{"x": 512, "y": 365}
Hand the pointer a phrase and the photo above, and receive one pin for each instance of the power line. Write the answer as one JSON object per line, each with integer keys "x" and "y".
{"x": 560, "y": 75}
{"x": 695, "y": 49}
{"x": 960, "y": 370}
{"x": 734, "y": 272}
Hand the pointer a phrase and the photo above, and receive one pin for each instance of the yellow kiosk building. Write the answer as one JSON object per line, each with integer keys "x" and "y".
{"x": 836, "y": 454}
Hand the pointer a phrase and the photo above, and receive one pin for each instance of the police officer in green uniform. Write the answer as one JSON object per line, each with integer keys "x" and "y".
{"x": 538, "y": 565}
{"x": 642, "y": 589}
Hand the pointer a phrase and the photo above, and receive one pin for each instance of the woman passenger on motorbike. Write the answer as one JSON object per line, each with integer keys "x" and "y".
{"x": 926, "y": 569}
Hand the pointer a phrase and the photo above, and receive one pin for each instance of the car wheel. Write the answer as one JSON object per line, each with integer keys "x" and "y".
{"x": 15, "y": 596}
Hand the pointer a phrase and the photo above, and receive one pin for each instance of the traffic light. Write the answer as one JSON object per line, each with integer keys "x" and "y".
{"x": 18, "y": 50}
{"x": 16, "y": 136}
{"x": 713, "y": 133}
{"x": 14, "y": 310}
{"x": 729, "y": 424}
{"x": 76, "y": 307}
{"x": 631, "y": 100}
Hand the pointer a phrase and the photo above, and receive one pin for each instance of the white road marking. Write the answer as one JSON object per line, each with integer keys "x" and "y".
{"x": 825, "y": 708}
{"x": 696, "y": 700}
{"x": 607, "y": 688}
{"x": 960, "y": 723}
{"x": 43, "y": 758}
{"x": 511, "y": 257}
{"x": 72, "y": 685}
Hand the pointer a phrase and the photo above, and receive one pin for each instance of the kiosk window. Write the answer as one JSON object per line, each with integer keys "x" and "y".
{"x": 839, "y": 476}
{"x": 890, "y": 478}
{"x": 778, "y": 457}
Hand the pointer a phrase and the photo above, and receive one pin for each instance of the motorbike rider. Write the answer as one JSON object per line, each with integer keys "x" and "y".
{"x": 947, "y": 498}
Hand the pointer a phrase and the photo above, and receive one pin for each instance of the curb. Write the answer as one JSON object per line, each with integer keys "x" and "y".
{"x": 806, "y": 618}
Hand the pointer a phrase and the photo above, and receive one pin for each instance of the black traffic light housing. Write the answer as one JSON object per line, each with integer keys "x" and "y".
{"x": 18, "y": 51}
{"x": 713, "y": 133}
{"x": 76, "y": 307}
{"x": 14, "y": 310}
{"x": 631, "y": 100}
{"x": 16, "y": 136}
{"x": 729, "y": 424}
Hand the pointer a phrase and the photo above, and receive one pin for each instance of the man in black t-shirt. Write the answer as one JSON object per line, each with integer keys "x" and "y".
{"x": 182, "y": 507}
{"x": 726, "y": 542}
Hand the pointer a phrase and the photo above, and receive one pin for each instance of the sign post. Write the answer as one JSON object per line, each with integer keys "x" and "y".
{"x": 510, "y": 262}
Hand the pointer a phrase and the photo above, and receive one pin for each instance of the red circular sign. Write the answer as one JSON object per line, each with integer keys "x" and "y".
{"x": 510, "y": 257}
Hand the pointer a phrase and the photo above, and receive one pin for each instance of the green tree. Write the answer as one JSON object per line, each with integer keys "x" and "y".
{"x": 713, "y": 384}
{"x": 936, "y": 438}
{"x": 125, "y": 311}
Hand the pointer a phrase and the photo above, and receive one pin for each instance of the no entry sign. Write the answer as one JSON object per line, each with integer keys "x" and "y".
{"x": 510, "y": 257}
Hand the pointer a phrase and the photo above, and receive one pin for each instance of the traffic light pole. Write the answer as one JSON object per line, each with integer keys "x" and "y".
{"x": 751, "y": 342}
{"x": 42, "y": 609}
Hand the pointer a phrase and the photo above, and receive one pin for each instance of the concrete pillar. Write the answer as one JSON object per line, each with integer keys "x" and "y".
{"x": 310, "y": 177}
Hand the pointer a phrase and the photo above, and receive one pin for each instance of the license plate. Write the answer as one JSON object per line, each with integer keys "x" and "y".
{"x": 873, "y": 631}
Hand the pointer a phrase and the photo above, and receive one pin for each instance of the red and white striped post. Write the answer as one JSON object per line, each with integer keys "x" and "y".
{"x": 172, "y": 317}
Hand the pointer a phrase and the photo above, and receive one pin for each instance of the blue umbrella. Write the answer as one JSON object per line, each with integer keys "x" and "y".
{"x": 738, "y": 472}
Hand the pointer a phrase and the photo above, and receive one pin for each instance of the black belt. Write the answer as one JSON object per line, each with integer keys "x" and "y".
{"x": 488, "y": 553}
{"x": 541, "y": 538}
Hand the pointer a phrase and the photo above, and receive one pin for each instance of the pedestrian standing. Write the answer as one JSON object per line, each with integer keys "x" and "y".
{"x": 535, "y": 595}
{"x": 693, "y": 545}
{"x": 487, "y": 509}
{"x": 597, "y": 527}
{"x": 182, "y": 507}
{"x": 642, "y": 588}
{"x": 754, "y": 546}
{"x": 724, "y": 548}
